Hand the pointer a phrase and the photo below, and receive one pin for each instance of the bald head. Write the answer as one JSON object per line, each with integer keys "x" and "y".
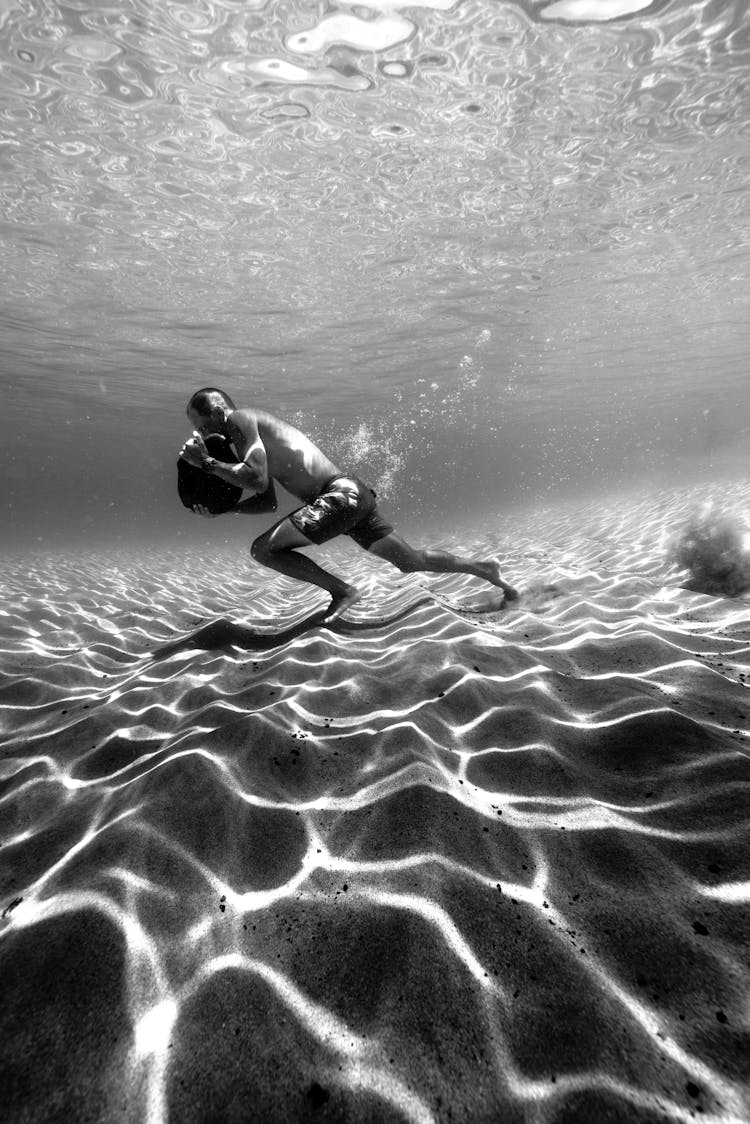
{"x": 205, "y": 401}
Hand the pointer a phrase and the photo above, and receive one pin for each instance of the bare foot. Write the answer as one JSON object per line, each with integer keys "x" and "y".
{"x": 493, "y": 575}
{"x": 340, "y": 603}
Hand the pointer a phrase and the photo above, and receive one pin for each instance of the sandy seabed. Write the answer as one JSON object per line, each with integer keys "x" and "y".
{"x": 436, "y": 862}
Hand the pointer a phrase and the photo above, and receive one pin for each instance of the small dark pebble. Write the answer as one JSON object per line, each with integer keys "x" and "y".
{"x": 317, "y": 1095}
{"x": 700, "y": 929}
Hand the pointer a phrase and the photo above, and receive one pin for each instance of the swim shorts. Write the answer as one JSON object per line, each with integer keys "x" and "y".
{"x": 345, "y": 506}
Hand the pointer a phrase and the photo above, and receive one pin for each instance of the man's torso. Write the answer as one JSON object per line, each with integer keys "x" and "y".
{"x": 294, "y": 461}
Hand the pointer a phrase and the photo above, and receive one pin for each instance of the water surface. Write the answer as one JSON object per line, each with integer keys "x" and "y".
{"x": 511, "y": 238}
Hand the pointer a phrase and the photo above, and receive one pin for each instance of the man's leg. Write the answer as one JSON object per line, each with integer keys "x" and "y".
{"x": 275, "y": 549}
{"x": 407, "y": 558}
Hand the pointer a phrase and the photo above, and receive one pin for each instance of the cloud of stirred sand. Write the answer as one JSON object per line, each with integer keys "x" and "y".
{"x": 715, "y": 548}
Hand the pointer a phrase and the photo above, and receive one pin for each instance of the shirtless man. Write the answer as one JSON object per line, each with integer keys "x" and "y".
{"x": 335, "y": 503}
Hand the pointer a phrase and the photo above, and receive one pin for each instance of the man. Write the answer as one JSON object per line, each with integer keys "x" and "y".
{"x": 335, "y": 503}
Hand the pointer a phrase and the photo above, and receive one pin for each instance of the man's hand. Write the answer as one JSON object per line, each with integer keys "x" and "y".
{"x": 194, "y": 450}
{"x": 199, "y": 509}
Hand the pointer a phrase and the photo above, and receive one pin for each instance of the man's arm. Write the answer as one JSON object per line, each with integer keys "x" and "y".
{"x": 241, "y": 475}
{"x": 251, "y": 473}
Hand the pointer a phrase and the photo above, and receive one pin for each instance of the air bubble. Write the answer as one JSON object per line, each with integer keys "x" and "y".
{"x": 396, "y": 69}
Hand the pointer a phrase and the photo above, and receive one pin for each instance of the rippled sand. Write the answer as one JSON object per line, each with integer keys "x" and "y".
{"x": 429, "y": 864}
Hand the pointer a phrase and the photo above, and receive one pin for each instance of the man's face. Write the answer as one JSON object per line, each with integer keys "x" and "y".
{"x": 206, "y": 424}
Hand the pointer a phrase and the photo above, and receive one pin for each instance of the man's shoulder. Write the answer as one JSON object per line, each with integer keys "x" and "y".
{"x": 244, "y": 418}
{"x": 253, "y": 425}
{"x": 253, "y": 413}
{"x": 253, "y": 418}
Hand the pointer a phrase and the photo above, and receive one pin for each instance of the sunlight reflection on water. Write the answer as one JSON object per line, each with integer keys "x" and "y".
{"x": 158, "y": 152}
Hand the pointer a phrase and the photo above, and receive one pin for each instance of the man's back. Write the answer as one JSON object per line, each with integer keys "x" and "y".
{"x": 294, "y": 461}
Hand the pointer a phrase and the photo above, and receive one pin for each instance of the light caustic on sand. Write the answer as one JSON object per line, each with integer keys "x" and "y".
{"x": 430, "y": 859}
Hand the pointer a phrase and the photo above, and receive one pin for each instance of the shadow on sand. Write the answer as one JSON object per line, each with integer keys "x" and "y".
{"x": 223, "y": 634}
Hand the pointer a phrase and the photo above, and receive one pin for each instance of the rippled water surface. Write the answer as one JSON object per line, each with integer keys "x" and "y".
{"x": 537, "y": 209}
